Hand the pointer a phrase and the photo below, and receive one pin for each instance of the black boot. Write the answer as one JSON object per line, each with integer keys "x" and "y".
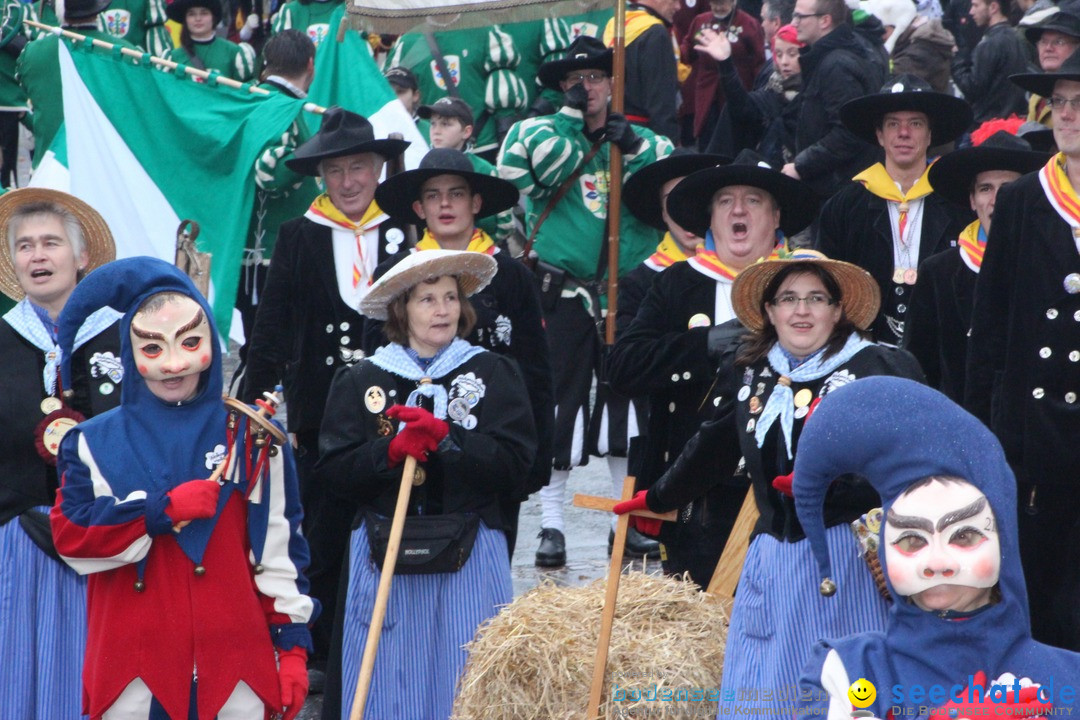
{"x": 552, "y": 550}
{"x": 636, "y": 544}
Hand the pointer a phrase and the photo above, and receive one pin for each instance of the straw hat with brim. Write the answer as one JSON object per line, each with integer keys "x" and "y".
{"x": 585, "y": 53}
{"x": 342, "y": 133}
{"x": 949, "y": 116}
{"x": 396, "y": 194}
{"x": 1043, "y": 83}
{"x": 1063, "y": 22}
{"x": 474, "y": 269}
{"x": 860, "y": 295}
{"x": 177, "y": 9}
{"x": 690, "y": 203}
{"x": 953, "y": 174}
{"x": 641, "y": 193}
{"x": 97, "y": 237}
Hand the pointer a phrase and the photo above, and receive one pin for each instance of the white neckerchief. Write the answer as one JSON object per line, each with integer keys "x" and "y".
{"x": 343, "y": 242}
{"x": 906, "y": 249}
{"x": 25, "y": 321}
{"x": 723, "y": 310}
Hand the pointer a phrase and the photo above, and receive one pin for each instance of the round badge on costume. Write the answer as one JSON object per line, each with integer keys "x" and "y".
{"x": 375, "y": 399}
{"x": 898, "y": 276}
{"x": 802, "y": 412}
{"x": 51, "y": 430}
{"x": 394, "y": 238}
{"x": 699, "y": 320}
{"x": 755, "y": 405}
{"x": 51, "y": 405}
{"x": 1072, "y": 283}
{"x": 751, "y": 425}
{"x": 744, "y": 392}
{"x": 106, "y": 388}
{"x": 910, "y": 276}
{"x": 458, "y": 409}
{"x": 469, "y": 423}
{"x": 803, "y": 398}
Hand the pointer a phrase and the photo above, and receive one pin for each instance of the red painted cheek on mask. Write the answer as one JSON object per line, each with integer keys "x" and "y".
{"x": 898, "y": 576}
{"x": 984, "y": 569}
{"x": 204, "y": 360}
{"x": 143, "y": 370}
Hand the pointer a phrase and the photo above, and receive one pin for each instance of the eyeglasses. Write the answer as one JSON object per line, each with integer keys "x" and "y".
{"x": 814, "y": 301}
{"x": 593, "y": 78}
{"x": 1058, "y": 103}
{"x": 798, "y": 17}
{"x": 1057, "y": 42}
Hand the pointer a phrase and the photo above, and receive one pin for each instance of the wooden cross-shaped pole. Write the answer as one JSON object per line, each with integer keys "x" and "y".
{"x": 592, "y": 502}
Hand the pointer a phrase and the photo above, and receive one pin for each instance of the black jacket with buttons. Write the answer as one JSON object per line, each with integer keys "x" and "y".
{"x": 303, "y": 330}
{"x": 1023, "y": 371}
{"x": 855, "y": 228}
{"x": 982, "y": 75}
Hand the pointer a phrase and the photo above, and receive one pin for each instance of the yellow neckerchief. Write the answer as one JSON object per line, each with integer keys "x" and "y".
{"x": 668, "y": 252}
{"x": 1059, "y": 191}
{"x": 877, "y": 180}
{"x": 708, "y": 263}
{"x": 971, "y": 248}
{"x": 322, "y": 207}
{"x": 480, "y": 242}
{"x": 1039, "y": 111}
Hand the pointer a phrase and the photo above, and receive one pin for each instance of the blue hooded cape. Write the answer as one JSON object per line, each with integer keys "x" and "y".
{"x": 894, "y": 432}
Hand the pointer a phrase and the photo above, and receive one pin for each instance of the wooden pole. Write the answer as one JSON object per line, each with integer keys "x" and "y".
{"x": 729, "y": 567}
{"x": 382, "y": 596}
{"x": 618, "y": 85}
{"x": 596, "y": 691}
{"x": 169, "y": 64}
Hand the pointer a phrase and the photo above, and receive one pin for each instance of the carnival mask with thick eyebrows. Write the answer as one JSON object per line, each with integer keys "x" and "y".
{"x": 942, "y": 533}
{"x": 171, "y": 344}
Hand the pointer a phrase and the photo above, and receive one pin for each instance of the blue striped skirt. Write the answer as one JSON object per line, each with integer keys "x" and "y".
{"x": 428, "y": 620}
{"x": 779, "y": 615}
{"x": 42, "y": 631}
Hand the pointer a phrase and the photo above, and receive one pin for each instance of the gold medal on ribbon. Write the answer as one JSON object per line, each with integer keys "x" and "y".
{"x": 51, "y": 405}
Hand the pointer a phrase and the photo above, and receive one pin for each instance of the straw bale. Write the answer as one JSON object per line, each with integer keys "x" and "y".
{"x": 534, "y": 660}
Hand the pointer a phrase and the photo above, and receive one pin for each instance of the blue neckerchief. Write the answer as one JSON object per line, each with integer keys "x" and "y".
{"x": 781, "y": 402}
{"x": 710, "y": 242}
{"x": 48, "y": 322}
{"x": 794, "y": 362}
{"x": 403, "y": 362}
{"x": 982, "y": 236}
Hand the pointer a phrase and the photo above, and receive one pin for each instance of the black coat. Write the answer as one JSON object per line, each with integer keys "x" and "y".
{"x": 711, "y": 456}
{"x": 26, "y": 481}
{"x": 938, "y": 321}
{"x": 855, "y": 228}
{"x": 303, "y": 330}
{"x": 658, "y": 356}
{"x": 835, "y": 69}
{"x": 651, "y": 77}
{"x": 982, "y": 75}
{"x": 509, "y": 322}
{"x": 1023, "y": 371}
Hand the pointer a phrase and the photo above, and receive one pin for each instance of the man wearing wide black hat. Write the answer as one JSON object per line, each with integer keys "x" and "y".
{"x": 38, "y": 69}
{"x": 1023, "y": 372}
{"x": 889, "y": 220}
{"x": 307, "y": 325}
{"x": 1055, "y": 37}
{"x": 450, "y": 196}
{"x": 560, "y": 163}
{"x": 940, "y": 314}
{"x": 679, "y": 349}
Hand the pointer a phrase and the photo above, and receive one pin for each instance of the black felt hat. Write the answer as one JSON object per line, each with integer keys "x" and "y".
{"x": 1061, "y": 21}
{"x": 641, "y": 193}
{"x": 1043, "y": 83}
{"x": 342, "y": 133}
{"x": 949, "y": 116}
{"x": 396, "y": 194}
{"x": 953, "y": 174}
{"x": 585, "y": 53}
{"x": 690, "y": 203}
{"x": 177, "y": 9}
{"x": 80, "y": 9}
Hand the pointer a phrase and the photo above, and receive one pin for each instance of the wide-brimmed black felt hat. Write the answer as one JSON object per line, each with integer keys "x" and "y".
{"x": 953, "y": 174}
{"x": 690, "y": 203}
{"x": 396, "y": 194}
{"x": 949, "y": 116}
{"x": 1063, "y": 22}
{"x": 641, "y": 193}
{"x": 585, "y": 53}
{"x": 177, "y": 9}
{"x": 342, "y": 133}
{"x": 82, "y": 9}
{"x": 1042, "y": 83}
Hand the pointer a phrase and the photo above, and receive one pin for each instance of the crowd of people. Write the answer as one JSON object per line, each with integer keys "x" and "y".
{"x": 820, "y": 307}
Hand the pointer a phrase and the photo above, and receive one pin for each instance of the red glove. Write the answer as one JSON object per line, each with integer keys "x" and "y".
{"x": 1027, "y": 705}
{"x": 647, "y": 526}
{"x": 193, "y": 500}
{"x": 422, "y": 434}
{"x": 292, "y": 674}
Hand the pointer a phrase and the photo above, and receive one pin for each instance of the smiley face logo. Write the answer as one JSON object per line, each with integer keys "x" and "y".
{"x": 862, "y": 693}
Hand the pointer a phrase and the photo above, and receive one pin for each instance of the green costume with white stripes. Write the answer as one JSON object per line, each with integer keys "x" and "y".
{"x": 140, "y": 22}
{"x": 312, "y": 18}
{"x": 232, "y": 60}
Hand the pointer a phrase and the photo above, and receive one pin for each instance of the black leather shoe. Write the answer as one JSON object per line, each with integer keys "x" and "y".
{"x": 636, "y": 544}
{"x": 552, "y": 550}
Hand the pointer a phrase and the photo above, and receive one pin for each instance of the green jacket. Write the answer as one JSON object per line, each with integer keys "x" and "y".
{"x": 232, "y": 60}
{"x": 501, "y": 225}
{"x": 312, "y": 18}
{"x": 539, "y": 155}
{"x": 140, "y": 22}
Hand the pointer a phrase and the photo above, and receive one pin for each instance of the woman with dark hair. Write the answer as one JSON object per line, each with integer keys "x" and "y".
{"x": 464, "y": 414}
{"x": 808, "y": 317}
{"x": 200, "y": 46}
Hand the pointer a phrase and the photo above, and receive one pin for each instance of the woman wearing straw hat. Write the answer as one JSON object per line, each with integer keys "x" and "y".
{"x": 808, "y": 317}
{"x": 51, "y": 240}
{"x": 464, "y": 414}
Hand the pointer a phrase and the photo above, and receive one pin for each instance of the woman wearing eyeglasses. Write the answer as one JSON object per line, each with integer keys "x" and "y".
{"x": 808, "y": 317}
